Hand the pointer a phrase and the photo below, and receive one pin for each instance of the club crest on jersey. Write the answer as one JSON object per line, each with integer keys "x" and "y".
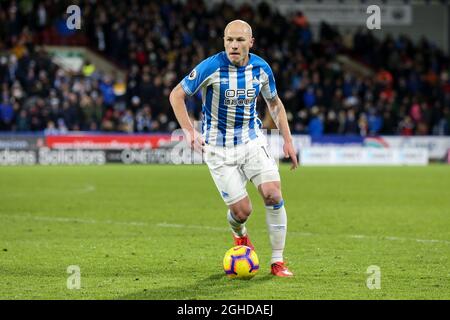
{"x": 192, "y": 75}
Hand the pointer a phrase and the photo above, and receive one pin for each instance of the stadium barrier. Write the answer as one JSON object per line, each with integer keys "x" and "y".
{"x": 107, "y": 141}
{"x": 437, "y": 146}
{"x": 361, "y": 156}
{"x": 101, "y": 148}
{"x": 29, "y": 141}
{"x": 46, "y": 156}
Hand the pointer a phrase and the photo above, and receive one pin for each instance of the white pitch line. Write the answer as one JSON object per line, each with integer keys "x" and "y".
{"x": 87, "y": 189}
{"x": 77, "y": 220}
{"x": 190, "y": 226}
{"x": 360, "y": 236}
{"x": 221, "y": 229}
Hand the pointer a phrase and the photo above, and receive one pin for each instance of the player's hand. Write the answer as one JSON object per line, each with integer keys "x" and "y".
{"x": 289, "y": 152}
{"x": 196, "y": 141}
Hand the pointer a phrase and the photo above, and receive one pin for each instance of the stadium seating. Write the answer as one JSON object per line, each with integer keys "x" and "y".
{"x": 158, "y": 44}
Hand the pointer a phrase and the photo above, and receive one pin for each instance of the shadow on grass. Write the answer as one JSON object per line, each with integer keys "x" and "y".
{"x": 212, "y": 287}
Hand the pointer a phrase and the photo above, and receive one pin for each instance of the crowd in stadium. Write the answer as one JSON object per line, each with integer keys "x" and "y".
{"x": 159, "y": 43}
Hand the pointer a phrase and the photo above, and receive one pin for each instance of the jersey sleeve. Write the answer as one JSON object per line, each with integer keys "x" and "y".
{"x": 268, "y": 87}
{"x": 199, "y": 76}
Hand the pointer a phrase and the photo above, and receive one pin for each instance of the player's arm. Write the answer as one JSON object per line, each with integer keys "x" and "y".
{"x": 278, "y": 114}
{"x": 177, "y": 100}
{"x": 190, "y": 84}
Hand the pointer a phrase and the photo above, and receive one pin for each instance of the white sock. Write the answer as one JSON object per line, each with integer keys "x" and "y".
{"x": 276, "y": 219}
{"x": 237, "y": 227}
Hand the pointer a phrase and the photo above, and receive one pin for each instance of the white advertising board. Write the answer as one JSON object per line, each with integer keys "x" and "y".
{"x": 347, "y": 156}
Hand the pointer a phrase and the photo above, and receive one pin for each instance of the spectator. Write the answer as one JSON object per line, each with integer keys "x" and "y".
{"x": 127, "y": 122}
{"x": 309, "y": 98}
{"x": 51, "y": 129}
{"x": 315, "y": 126}
{"x": 22, "y": 121}
{"x": 6, "y": 115}
{"x": 363, "y": 125}
{"x": 144, "y": 121}
{"x": 332, "y": 123}
{"x": 107, "y": 91}
{"x": 374, "y": 122}
{"x": 88, "y": 69}
{"x": 351, "y": 124}
{"x": 406, "y": 126}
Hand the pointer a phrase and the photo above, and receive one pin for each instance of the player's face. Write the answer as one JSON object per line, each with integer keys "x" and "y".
{"x": 238, "y": 41}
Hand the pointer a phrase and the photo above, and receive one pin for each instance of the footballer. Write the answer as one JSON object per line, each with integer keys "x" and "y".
{"x": 234, "y": 146}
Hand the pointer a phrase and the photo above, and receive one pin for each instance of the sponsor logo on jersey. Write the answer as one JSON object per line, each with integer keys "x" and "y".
{"x": 239, "y": 97}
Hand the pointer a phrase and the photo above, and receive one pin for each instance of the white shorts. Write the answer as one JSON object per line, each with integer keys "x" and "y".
{"x": 232, "y": 167}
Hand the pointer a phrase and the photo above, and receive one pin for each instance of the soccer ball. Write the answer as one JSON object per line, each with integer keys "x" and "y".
{"x": 240, "y": 262}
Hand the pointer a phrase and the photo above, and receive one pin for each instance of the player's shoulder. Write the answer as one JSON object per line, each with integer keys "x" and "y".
{"x": 258, "y": 61}
{"x": 211, "y": 63}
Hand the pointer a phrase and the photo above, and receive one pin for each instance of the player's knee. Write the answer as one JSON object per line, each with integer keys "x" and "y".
{"x": 242, "y": 213}
{"x": 272, "y": 196}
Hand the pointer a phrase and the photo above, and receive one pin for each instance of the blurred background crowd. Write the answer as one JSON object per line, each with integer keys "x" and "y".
{"x": 157, "y": 43}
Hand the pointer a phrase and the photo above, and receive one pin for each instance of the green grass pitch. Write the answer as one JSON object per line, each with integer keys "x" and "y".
{"x": 160, "y": 232}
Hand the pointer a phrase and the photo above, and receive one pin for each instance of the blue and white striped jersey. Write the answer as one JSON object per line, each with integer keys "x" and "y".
{"x": 229, "y": 97}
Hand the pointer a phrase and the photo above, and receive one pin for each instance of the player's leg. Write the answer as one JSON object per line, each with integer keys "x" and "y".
{"x": 237, "y": 216}
{"x": 231, "y": 184}
{"x": 276, "y": 219}
{"x": 263, "y": 172}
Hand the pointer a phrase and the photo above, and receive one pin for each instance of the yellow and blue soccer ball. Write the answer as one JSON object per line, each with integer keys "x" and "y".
{"x": 240, "y": 262}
